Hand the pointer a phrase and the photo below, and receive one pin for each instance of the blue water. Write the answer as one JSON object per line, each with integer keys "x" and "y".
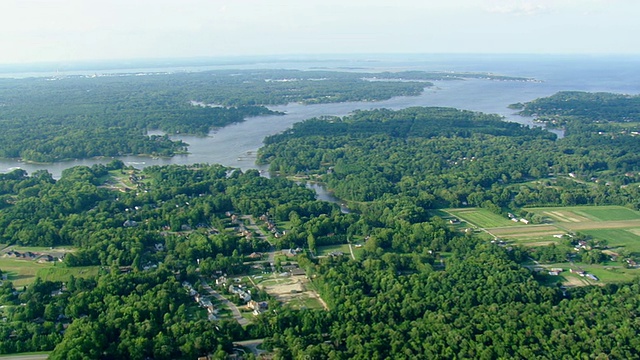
{"x": 237, "y": 144}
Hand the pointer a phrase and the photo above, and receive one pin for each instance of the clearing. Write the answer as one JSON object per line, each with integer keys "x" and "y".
{"x": 481, "y": 218}
{"x": 293, "y": 290}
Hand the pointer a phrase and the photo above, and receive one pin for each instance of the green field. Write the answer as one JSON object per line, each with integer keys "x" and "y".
{"x": 63, "y": 273}
{"x": 305, "y": 302}
{"x": 618, "y": 225}
{"x": 611, "y": 275}
{"x": 22, "y": 272}
{"x": 482, "y": 218}
{"x": 587, "y": 213}
{"x": 629, "y": 239}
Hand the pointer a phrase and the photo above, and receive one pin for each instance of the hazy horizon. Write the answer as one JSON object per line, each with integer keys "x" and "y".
{"x": 69, "y": 31}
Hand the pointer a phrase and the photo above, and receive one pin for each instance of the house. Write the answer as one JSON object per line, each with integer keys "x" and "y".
{"x": 253, "y": 305}
{"x": 553, "y": 273}
{"x": 454, "y": 221}
{"x": 255, "y": 255}
{"x": 243, "y": 295}
{"x": 289, "y": 252}
{"x": 297, "y": 272}
{"x": 524, "y": 221}
{"x": 631, "y": 262}
{"x": 592, "y": 277}
{"x": 46, "y": 258}
{"x": 130, "y": 223}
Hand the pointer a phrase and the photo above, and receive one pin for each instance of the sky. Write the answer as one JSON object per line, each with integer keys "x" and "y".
{"x": 34, "y": 31}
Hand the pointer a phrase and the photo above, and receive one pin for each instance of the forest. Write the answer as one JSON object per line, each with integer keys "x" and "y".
{"x": 420, "y": 288}
{"x": 584, "y": 107}
{"x": 71, "y": 117}
{"x": 395, "y": 302}
{"x": 448, "y": 157}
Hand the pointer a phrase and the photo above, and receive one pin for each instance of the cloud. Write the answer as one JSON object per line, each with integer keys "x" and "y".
{"x": 519, "y": 7}
{"x": 537, "y": 7}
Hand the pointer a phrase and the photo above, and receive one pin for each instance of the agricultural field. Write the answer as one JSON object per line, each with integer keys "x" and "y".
{"x": 580, "y": 214}
{"x": 629, "y": 239}
{"x": 481, "y": 218}
{"x": 527, "y": 231}
{"x": 609, "y": 274}
{"x": 618, "y": 225}
{"x": 606, "y": 273}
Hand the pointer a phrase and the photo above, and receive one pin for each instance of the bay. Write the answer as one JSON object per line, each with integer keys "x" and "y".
{"x": 236, "y": 145}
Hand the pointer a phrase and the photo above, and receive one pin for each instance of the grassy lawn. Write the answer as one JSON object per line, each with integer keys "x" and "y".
{"x": 611, "y": 275}
{"x": 325, "y": 250}
{"x": 607, "y": 272}
{"x": 197, "y": 313}
{"x": 304, "y": 302}
{"x": 441, "y": 213}
{"x": 22, "y": 272}
{"x": 482, "y": 218}
{"x": 248, "y": 315}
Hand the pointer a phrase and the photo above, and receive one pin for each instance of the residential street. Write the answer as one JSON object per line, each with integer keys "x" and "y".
{"x": 234, "y": 309}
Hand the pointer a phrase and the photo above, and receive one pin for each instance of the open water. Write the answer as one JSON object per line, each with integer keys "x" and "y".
{"x": 236, "y": 145}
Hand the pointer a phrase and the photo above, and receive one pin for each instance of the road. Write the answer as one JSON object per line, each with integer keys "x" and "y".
{"x": 271, "y": 255}
{"x": 351, "y": 250}
{"x": 224, "y": 301}
{"x": 25, "y": 357}
{"x": 252, "y": 345}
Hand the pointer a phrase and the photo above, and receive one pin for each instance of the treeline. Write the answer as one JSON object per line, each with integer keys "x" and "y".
{"x": 46, "y": 120}
{"x": 585, "y": 106}
{"x": 449, "y": 157}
